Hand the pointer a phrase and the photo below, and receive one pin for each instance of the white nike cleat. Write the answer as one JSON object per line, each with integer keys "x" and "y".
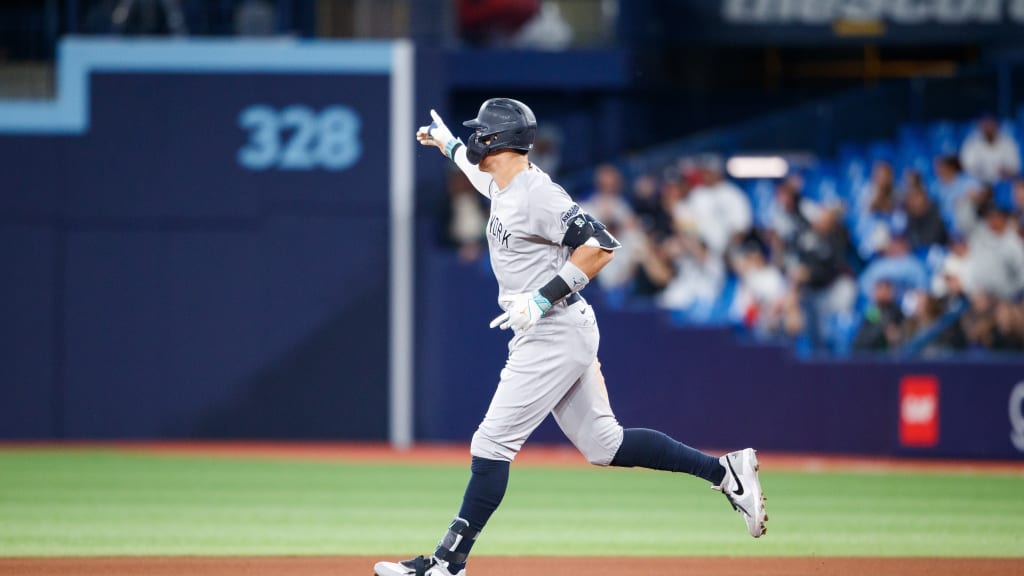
{"x": 418, "y": 566}
{"x": 743, "y": 489}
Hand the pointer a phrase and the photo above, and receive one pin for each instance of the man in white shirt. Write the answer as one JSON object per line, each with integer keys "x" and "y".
{"x": 989, "y": 154}
{"x": 720, "y": 208}
{"x": 995, "y": 256}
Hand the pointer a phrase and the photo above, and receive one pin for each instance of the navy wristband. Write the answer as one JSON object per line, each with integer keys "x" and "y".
{"x": 555, "y": 289}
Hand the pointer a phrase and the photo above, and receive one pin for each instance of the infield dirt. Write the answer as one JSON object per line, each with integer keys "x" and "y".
{"x": 496, "y": 566}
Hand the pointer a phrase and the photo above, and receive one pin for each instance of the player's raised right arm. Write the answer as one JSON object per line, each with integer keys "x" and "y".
{"x": 437, "y": 134}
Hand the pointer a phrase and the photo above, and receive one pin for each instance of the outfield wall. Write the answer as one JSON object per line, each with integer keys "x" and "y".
{"x": 190, "y": 228}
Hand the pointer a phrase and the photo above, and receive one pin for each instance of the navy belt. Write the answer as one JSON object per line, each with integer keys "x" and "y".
{"x": 572, "y": 299}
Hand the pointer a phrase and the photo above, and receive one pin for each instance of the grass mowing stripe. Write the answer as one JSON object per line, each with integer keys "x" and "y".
{"x": 110, "y": 503}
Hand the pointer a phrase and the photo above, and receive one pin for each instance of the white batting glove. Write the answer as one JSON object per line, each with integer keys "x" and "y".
{"x": 524, "y": 310}
{"x": 437, "y": 134}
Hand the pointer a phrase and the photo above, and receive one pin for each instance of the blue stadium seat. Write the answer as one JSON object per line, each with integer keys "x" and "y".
{"x": 883, "y": 150}
{"x": 1003, "y": 192}
{"x": 719, "y": 312}
{"x": 821, "y": 184}
{"x": 934, "y": 257}
{"x": 1009, "y": 126}
{"x": 914, "y": 154}
{"x": 911, "y": 134}
{"x": 963, "y": 130}
{"x": 843, "y": 329}
{"x": 853, "y": 171}
{"x": 761, "y": 193}
{"x": 1019, "y": 121}
{"x": 942, "y": 138}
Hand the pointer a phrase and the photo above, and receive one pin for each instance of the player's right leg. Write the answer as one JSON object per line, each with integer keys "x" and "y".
{"x": 585, "y": 416}
{"x": 537, "y": 375}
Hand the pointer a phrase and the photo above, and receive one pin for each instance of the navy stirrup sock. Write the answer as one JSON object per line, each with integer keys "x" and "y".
{"x": 652, "y": 449}
{"x": 484, "y": 492}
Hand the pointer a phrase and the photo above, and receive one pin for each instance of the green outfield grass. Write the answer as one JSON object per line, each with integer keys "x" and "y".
{"x": 110, "y": 503}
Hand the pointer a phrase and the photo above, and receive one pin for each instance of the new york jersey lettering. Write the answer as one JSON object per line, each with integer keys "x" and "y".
{"x": 498, "y": 231}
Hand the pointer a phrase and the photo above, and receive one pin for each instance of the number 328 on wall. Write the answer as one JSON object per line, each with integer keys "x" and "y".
{"x": 298, "y": 138}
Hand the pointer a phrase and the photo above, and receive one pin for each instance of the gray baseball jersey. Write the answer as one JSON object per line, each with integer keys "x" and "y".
{"x": 525, "y": 229}
{"x": 552, "y": 367}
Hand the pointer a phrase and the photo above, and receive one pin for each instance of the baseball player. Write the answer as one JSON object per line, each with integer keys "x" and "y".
{"x": 544, "y": 249}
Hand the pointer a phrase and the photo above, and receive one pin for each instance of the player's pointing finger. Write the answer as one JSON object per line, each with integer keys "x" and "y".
{"x": 436, "y": 116}
{"x": 501, "y": 319}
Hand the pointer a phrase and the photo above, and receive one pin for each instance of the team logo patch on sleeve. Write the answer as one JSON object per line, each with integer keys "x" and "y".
{"x": 568, "y": 214}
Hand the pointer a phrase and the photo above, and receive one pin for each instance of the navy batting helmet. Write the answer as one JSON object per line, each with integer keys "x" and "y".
{"x": 501, "y": 124}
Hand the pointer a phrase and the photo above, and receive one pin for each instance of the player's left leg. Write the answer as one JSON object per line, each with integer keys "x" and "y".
{"x": 586, "y": 418}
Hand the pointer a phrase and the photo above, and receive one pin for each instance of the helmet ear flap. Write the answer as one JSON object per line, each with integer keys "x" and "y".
{"x": 475, "y": 149}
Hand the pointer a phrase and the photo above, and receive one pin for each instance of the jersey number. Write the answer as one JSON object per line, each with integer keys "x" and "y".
{"x": 297, "y": 138}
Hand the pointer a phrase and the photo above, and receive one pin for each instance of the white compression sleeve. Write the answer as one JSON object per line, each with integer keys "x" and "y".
{"x": 480, "y": 180}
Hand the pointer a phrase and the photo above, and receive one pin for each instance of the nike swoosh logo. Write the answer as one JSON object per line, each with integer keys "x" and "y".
{"x": 736, "y": 506}
{"x": 739, "y": 485}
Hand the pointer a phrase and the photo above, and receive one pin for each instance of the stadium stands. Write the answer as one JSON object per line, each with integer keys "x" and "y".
{"x": 900, "y": 212}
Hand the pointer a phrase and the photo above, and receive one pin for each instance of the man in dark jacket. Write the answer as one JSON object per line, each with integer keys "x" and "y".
{"x": 924, "y": 222}
{"x": 826, "y": 288}
{"x": 881, "y": 327}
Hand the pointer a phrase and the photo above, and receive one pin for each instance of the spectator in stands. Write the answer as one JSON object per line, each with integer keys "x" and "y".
{"x": 1018, "y": 205}
{"x": 880, "y": 189}
{"x": 965, "y": 219}
{"x": 699, "y": 274}
{"x": 881, "y": 328}
{"x": 951, "y": 185}
{"x": 547, "y": 150}
{"x": 649, "y": 208}
{"x": 911, "y": 178}
{"x": 786, "y": 220}
{"x": 995, "y": 259}
{"x": 898, "y": 267}
{"x": 149, "y": 18}
{"x": 993, "y": 324}
{"x": 256, "y": 18}
{"x": 463, "y": 218}
{"x": 927, "y": 321}
{"x": 490, "y": 22}
{"x": 1009, "y": 326}
{"x": 948, "y": 283}
{"x": 924, "y": 223}
{"x": 620, "y": 273}
{"x": 547, "y": 30}
{"x": 721, "y": 209}
{"x": 825, "y": 287}
{"x": 989, "y": 154}
{"x": 762, "y": 288}
{"x": 656, "y": 265}
{"x": 676, "y": 198}
{"x": 607, "y": 203}
{"x": 880, "y": 217}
